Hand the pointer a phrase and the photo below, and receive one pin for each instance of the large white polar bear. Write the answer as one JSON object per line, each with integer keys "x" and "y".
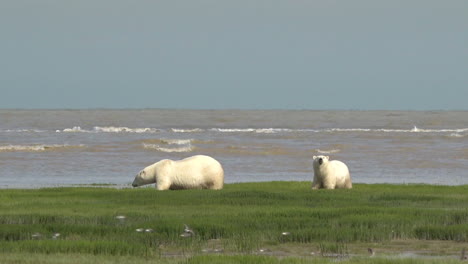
{"x": 330, "y": 174}
{"x": 196, "y": 172}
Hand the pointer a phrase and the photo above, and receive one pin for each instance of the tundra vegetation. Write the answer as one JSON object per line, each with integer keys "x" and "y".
{"x": 269, "y": 222}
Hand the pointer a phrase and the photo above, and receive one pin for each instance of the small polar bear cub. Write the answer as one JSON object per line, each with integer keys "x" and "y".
{"x": 196, "y": 172}
{"x": 330, "y": 174}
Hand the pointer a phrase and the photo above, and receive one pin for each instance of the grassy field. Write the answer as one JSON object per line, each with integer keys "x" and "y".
{"x": 244, "y": 223}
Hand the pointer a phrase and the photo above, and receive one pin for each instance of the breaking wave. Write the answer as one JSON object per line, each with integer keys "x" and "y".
{"x": 22, "y": 131}
{"x": 413, "y": 130}
{"x": 111, "y": 129}
{"x": 171, "y": 145}
{"x": 37, "y": 148}
{"x": 332, "y": 151}
{"x": 329, "y": 130}
{"x": 157, "y": 147}
{"x": 190, "y": 130}
{"x": 177, "y": 141}
{"x": 125, "y": 130}
{"x": 252, "y": 130}
{"x": 74, "y": 129}
{"x": 456, "y": 135}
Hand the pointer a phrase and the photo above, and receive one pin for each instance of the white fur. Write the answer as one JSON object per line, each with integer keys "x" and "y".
{"x": 196, "y": 172}
{"x": 331, "y": 174}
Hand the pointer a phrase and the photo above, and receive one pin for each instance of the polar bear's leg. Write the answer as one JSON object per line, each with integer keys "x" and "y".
{"x": 329, "y": 183}
{"x": 217, "y": 185}
{"x": 163, "y": 185}
{"x": 316, "y": 185}
{"x": 348, "y": 184}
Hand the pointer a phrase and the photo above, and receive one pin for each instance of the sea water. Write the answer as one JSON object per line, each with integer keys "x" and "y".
{"x": 49, "y": 148}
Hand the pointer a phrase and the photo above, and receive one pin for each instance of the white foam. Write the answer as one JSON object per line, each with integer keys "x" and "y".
{"x": 22, "y": 131}
{"x": 177, "y": 141}
{"x": 456, "y": 135}
{"x": 348, "y": 130}
{"x": 393, "y": 130}
{"x": 233, "y": 130}
{"x": 36, "y": 148}
{"x": 110, "y": 129}
{"x": 191, "y": 130}
{"x": 22, "y": 148}
{"x": 113, "y": 129}
{"x": 74, "y": 129}
{"x": 252, "y": 130}
{"x": 386, "y": 130}
{"x": 271, "y": 130}
{"x": 188, "y": 148}
{"x": 181, "y": 145}
{"x": 327, "y": 151}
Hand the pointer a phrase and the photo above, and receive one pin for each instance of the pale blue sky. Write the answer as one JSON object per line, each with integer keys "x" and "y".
{"x": 288, "y": 54}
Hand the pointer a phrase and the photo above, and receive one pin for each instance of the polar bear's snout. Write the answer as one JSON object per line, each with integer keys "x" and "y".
{"x": 141, "y": 179}
{"x": 320, "y": 161}
{"x": 134, "y": 183}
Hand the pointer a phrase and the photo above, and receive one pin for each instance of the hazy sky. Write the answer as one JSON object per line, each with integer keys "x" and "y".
{"x": 288, "y": 54}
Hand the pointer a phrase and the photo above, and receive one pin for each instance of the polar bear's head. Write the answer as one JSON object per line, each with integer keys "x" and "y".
{"x": 320, "y": 160}
{"x": 145, "y": 176}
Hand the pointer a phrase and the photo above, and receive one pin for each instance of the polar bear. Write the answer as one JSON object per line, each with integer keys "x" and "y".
{"x": 330, "y": 174}
{"x": 196, "y": 172}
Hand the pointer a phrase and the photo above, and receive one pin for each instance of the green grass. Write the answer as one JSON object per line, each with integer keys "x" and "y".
{"x": 203, "y": 259}
{"x": 240, "y": 220}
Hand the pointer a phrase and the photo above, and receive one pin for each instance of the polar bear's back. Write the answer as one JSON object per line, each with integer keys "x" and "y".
{"x": 339, "y": 168}
{"x": 341, "y": 172}
{"x": 198, "y": 171}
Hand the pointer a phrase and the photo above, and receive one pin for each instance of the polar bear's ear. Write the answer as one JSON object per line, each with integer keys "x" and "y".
{"x": 314, "y": 157}
{"x": 328, "y": 158}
